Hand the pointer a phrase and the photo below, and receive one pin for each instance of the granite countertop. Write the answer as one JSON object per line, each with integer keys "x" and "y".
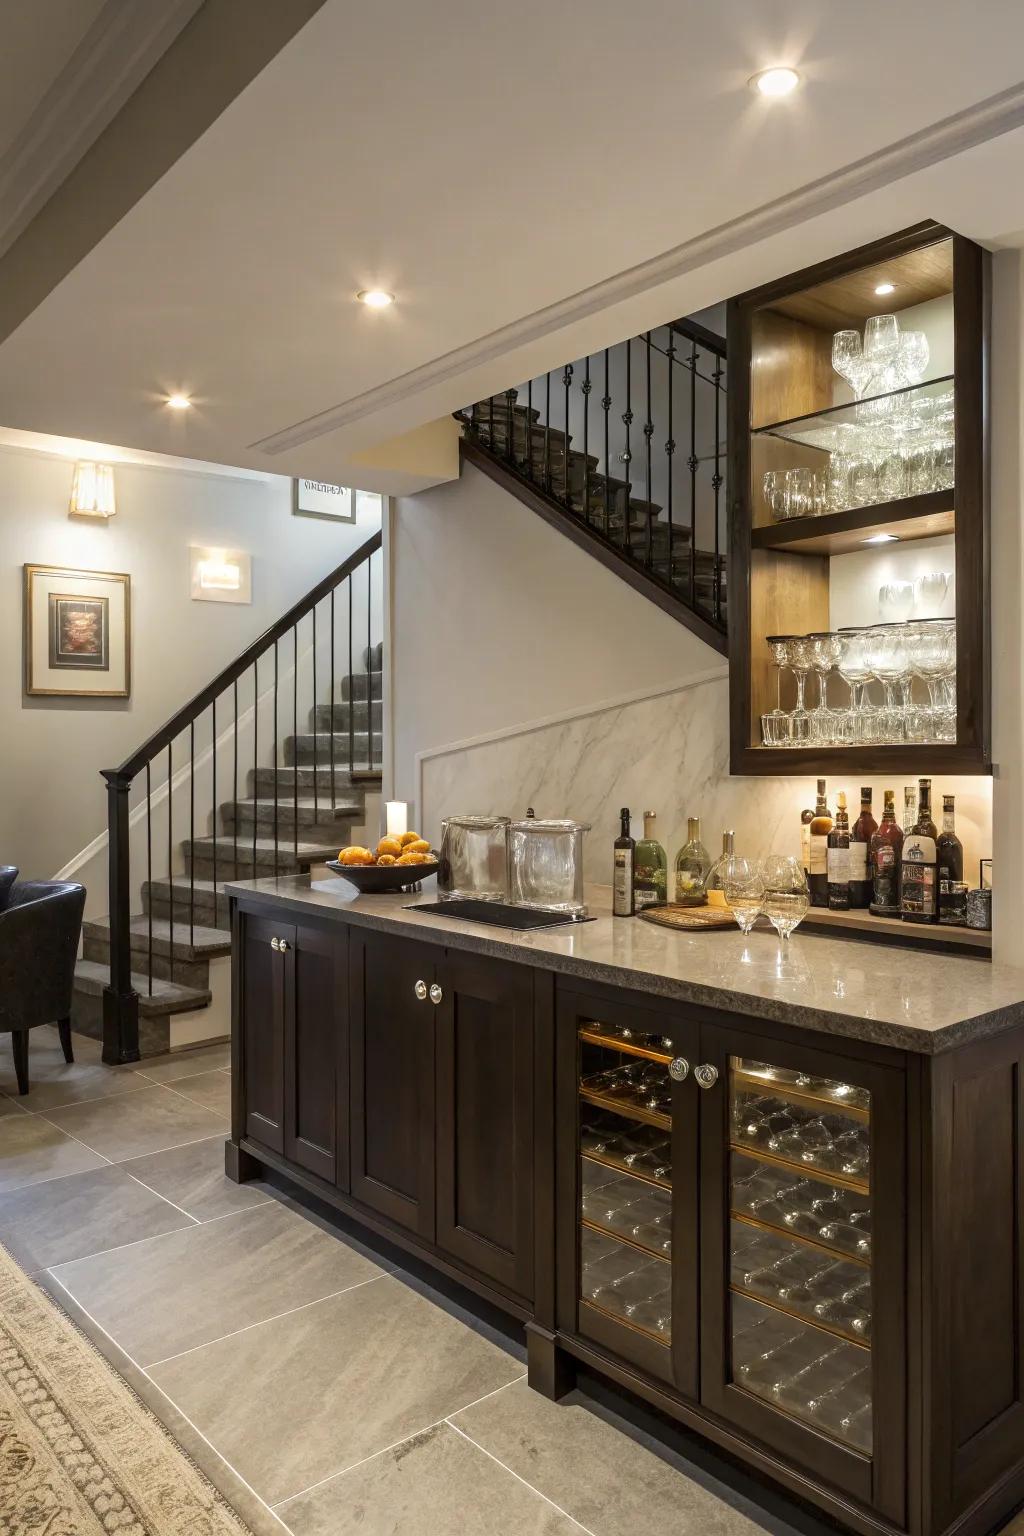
{"x": 897, "y": 997}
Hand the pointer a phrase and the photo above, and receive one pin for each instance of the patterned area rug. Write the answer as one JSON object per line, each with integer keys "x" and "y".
{"x": 80, "y": 1454}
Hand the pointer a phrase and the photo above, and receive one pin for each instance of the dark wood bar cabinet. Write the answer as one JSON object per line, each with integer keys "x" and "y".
{"x": 803, "y": 1246}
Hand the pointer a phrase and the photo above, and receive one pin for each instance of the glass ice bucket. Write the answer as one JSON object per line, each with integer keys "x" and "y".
{"x": 474, "y": 858}
{"x": 546, "y": 865}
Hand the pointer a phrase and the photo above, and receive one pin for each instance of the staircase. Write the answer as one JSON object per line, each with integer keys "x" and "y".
{"x": 649, "y": 502}
{"x": 301, "y": 797}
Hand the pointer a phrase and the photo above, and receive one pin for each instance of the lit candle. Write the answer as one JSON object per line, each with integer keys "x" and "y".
{"x": 396, "y": 814}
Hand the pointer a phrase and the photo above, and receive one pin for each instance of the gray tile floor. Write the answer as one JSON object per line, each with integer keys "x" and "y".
{"x": 337, "y": 1393}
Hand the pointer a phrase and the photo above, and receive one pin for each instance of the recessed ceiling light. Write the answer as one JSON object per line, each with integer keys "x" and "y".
{"x": 179, "y": 402}
{"x": 375, "y": 298}
{"x": 882, "y": 538}
{"x": 775, "y": 82}
{"x": 884, "y": 288}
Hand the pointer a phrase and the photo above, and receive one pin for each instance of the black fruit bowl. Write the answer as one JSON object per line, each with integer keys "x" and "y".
{"x": 372, "y": 878}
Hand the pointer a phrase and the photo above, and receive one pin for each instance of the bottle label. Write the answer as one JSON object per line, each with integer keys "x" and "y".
{"x": 645, "y": 896}
{"x": 819, "y": 855}
{"x": 858, "y": 861}
{"x": 805, "y": 846}
{"x": 622, "y": 882}
{"x": 838, "y": 866}
{"x": 918, "y": 884}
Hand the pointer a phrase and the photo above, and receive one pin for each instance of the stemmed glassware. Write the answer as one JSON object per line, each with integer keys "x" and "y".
{"x": 743, "y": 886}
{"x": 786, "y": 897}
{"x": 849, "y": 361}
{"x": 800, "y": 664}
{"x": 856, "y": 671}
{"x": 775, "y": 724}
{"x": 824, "y": 652}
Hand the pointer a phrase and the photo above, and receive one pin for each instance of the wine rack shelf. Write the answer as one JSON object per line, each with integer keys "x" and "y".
{"x": 842, "y": 1180}
{"x": 629, "y": 1111}
{"x": 797, "y": 1237}
{"x": 617, "y": 1166}
{"x": 625, "y": 1047}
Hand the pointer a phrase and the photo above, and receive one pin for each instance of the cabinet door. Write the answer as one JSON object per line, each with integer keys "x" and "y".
{"x": 485, "y": 1118}
{"x": 316, "y": 1053}
{"x": 392, "y": 1078}
{"x": 803, "y": 1335}
{"x": 626, "y": 1203}
{"x": 262, "y": 1012}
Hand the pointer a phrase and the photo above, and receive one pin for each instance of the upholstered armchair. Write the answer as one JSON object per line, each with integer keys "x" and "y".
{"x": 40, "y": 925}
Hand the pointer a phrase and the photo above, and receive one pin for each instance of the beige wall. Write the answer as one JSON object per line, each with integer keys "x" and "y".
{"x": 51, "y": 750}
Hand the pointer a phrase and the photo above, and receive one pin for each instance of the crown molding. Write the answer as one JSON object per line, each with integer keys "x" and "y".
{"x": 943, "y": 140}
{"x": 110, "y": 63}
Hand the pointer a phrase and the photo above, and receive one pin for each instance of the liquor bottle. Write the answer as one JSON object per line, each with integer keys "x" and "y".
{"x": 909, "y": 809}
{"x": 838, "y": 859}
{"x": 650, "y": 869}
{"x": 949, "y": 854}
{"x": 918, "y": 869}
{"x": 864, "y": 829}
{"x": 821, "y": 826}
{"x": 886, "y": 854}
{"x": 692, "y": 867}
{"x": 806, "y": 817}
{"x": 714, "y": 885}
{"x": 622, "y": 875}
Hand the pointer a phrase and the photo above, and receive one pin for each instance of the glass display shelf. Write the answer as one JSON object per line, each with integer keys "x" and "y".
{"x": 620, "y": 1281}
{"x": 630, "y": 1209}
{"x": 631, "y": 1148}
{"x": 802, "y": 1205}
{"x": 832, "y": 1292}
{"x": 874, "y": 421}
{"x": 806, "y": 1136}
{"x": 803, "y": 1088}
{"x": 639, "y": 1090}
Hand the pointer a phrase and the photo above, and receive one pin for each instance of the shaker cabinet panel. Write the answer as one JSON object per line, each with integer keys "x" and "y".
{"x": 485, "y": 1118}
{"x": 392, "y": 1078}
{"x": 316, "y": 1052}
{"x": 263, "y": 1028}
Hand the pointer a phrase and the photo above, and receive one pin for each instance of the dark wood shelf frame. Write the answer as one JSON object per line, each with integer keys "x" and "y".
{"x": 790, "y": 561}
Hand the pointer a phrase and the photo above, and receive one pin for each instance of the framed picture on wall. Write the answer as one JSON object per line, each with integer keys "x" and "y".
{"x": 77, "y": 632}
{"x": 318, "y": 498}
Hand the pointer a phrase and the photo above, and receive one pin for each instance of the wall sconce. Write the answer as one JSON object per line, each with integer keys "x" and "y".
{"x": 220, "y": 575}
{"x": 92, "y": 491}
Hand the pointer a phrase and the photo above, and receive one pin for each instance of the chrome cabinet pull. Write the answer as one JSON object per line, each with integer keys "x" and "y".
{"x": 275, "y": 943}
{"x": 706, "y": 1074}
{"x": 436, "y": 995}
{"x": 283, "y": 945}
{"x": 420, "y": 990}
{"x": 678, "y": 1069}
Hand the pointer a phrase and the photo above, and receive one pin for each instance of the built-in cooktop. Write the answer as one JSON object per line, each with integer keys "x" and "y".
{"x": 497, "y": 913}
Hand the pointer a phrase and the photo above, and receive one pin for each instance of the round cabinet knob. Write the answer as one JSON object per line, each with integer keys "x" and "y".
{"x": 420, "y": 990}
{"x": 435, "y": 993}
{"x": 706, "y": 1074}
{"x": 283, "y": 945}
{"x": 678, "y": 1069}
{"x": 275, "y": 943}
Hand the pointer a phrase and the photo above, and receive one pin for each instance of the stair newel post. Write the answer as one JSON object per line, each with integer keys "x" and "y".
{"x": 120, "y": 1000}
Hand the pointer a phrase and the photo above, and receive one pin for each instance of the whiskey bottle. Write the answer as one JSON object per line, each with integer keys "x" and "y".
{"x": 949, "y": 853}
{"x": 820, "y": 827}
{"x": 622, "y": 872}
{"x": 714, "y": 885}
{"x": 864, "y": 829}
{"x": 650, "y": 869}
{"x": 838, "y": 859}
{"x": 918, "y": 870}
{"x": 692, "y": 867}
{"x": 806, "y": 817}
{"x": 886, "y": 854}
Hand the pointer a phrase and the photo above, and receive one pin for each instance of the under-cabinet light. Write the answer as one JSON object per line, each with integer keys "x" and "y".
{"x": 884, "y": 288}
{"x": 882, "y": 538}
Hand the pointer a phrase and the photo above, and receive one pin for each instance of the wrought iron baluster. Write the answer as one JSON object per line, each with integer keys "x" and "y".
{"x": 587, "y": 387}
{"x": 316, "y": 705}
{"x": 529, "y": 425}
{"x": 170, "y": 854}
{"x": 213, "y": 791}
{"x": 606, "y": 405}
{"x": 547, "y": 433}
{"x": 369, "y": 661}
{"x": 692, "y": 463}
{"x": 670, "y": 448}
{"x": 255, "y": 757}
{"x": 295, "y": 729}
{"x": 333, "y": 797}
{"x": 351, "y": 685}
{"x": 149, "y": 876}
{"x": 192, "y": 831}
{"x": 648, "y": 434}
{"x": 510, "y": 396}
{"x": 716, "y": 482}
{"x": 234, "y": 785}
{"x": 567, "y": 383}
{"x": 627, "y": 457}
{"x": 277, "y": 838}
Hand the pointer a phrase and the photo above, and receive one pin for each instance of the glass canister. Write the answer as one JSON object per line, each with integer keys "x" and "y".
{"x": 546, "y": 865}
{"x": 474, "y": 858}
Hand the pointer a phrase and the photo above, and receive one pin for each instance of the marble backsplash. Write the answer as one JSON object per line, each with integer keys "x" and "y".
{"x": 668, "y": 753}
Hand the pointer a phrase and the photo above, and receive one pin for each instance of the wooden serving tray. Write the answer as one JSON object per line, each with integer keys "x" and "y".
{"x": 690, "y": 918}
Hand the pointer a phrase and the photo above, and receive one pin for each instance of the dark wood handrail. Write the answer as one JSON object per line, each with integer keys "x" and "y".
{"x": 183, "y": 717}
{"x": 694, "y": 331}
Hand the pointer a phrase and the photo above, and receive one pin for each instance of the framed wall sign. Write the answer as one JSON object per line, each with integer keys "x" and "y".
{"x": 317, "y": 498}
{"x": 77, "y": 632}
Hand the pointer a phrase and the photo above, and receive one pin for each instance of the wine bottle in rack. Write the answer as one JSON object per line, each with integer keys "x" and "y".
{"x": 863, "y": 830}
{"x": 838, "y": 859}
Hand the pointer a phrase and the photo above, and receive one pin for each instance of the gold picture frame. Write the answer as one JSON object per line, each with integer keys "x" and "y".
{"x": 77, "y": 634}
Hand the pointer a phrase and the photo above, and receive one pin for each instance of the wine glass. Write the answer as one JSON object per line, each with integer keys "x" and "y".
{"x": 744, "y": 890}
{"x": 799, "y": 664}
{"x": 849, "y": 361}
{"x": 930, "y": 592}
{"x": 913, "y": 355}
{"x": 881, "y": 340}
{"x": 786, "y": 897}
{"x": 824, "y": 653}
{"x": 895, "y": 601}
{"x": 775, "y": 723}
{"x": 855, "y": 670}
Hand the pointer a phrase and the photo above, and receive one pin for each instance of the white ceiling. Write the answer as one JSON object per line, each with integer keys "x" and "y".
{"x": 487, "y": 164}
{"x": 39, "y": 39}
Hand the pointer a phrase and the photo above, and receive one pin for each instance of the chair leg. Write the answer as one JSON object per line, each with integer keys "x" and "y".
{"x": 19, "y": 1045}
{"x": 64, "y": 1030}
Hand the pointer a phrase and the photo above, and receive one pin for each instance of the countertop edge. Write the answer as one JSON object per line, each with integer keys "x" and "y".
{"x": 842, "y": 1025}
